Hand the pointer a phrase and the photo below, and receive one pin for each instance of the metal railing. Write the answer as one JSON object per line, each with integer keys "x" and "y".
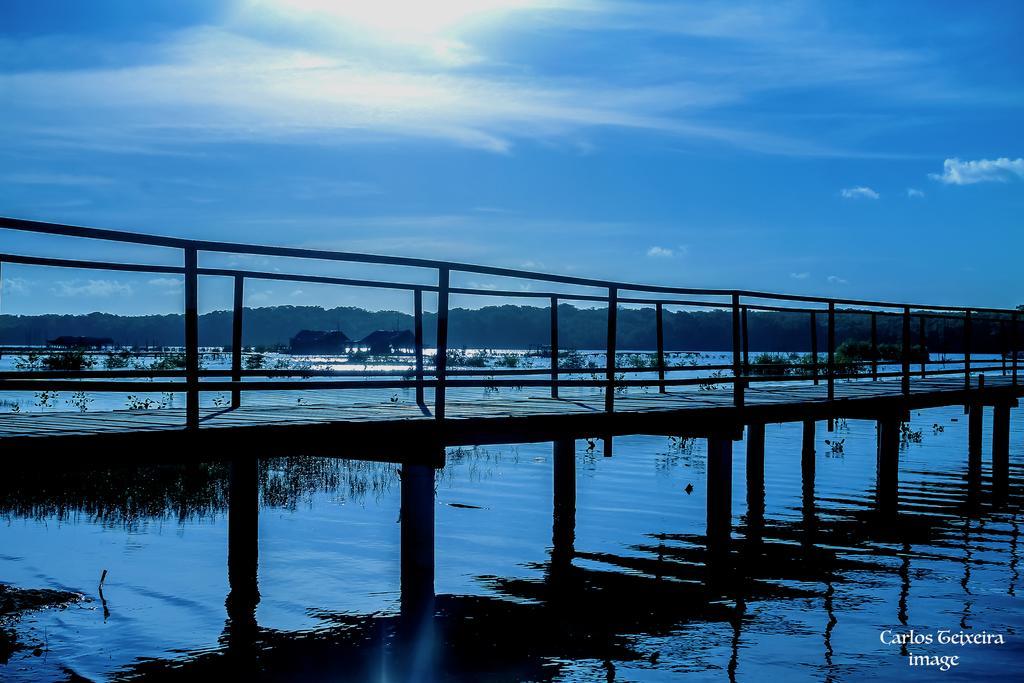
{"x": 738, "y": 303}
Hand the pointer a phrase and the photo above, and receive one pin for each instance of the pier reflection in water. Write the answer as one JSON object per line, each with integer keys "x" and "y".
{"x": 550, "y": 561}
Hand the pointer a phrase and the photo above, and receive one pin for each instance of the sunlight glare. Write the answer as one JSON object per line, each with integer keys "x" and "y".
{"x": 405, "y": 19}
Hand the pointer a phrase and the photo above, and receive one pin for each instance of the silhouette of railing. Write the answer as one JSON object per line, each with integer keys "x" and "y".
{"x": 737, "y": 302}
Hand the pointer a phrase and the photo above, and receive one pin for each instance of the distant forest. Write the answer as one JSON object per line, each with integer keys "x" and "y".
{"x": 514, "y": 327}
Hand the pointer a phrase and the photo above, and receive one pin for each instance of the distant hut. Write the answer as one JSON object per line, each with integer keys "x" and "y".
{"x": 70, "y": 342}
{"x": 319, "y": 342}
{"x": 388, "y": 342}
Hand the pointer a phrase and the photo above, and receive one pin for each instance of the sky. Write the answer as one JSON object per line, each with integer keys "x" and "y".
{"x": 854, "y": 149}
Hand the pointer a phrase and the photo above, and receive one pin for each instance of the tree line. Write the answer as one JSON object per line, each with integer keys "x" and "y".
{"x": 512, "y": 327}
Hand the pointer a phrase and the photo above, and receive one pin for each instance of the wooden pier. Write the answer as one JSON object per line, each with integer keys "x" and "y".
{"x": 344, "y": 413}
{"x": 347, "y": 413}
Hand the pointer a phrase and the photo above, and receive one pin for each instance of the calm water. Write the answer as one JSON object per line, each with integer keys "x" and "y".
{"x": 639, "y": 601}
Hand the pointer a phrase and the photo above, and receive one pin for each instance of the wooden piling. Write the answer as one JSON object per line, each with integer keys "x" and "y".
{"x": 1001, "y": 448}
{"x": 564, "y": 500}
{"x": 807, "y": 444}
{"x": 887, "y": 464}
{"x": 719, "y": 491}
{"x": 755, "y": 478}
{"x": 417, "y": 541}
{"x": 243, "y": 538}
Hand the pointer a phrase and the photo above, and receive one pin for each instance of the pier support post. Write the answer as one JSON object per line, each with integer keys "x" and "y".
{"x": 417, "y": 538}
{"x": 243, "y": 543}
{"x": 807, "y": 447}
{"x": 563, "y": 534}
{"x": 887, "y": 469}
{"x": 416, "y": 641}
{"x": 1000, "y": 449}
{"x": 975, "y": 417}
{"x": 719, "y": 502}
{"x": 755, "y": 480}
{"x": 807, "y": 474}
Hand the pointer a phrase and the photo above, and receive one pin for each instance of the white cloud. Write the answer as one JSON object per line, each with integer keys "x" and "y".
{"x": 836, "y": 280}
{"x": 858, "y": 192}
{"x": 914, "y": 193}
{"x": 660, "y": 252}
{"x": 91, "y": 288}
{"x": 956, "y": 172}
{"x": 800, "y": 276}
{"x": 15, "y": 285}
{"x": 169, "y": 286}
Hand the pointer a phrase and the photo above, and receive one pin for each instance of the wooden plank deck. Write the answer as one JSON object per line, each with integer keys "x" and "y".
{"x": 279, "y": 420}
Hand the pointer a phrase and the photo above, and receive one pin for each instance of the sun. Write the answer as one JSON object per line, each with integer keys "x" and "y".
{"x": 405, "y": 19}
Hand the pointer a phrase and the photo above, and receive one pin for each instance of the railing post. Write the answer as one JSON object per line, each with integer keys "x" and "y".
{"x": 967, "y": 349}
{"x": 814, "y": 346}
{"x": 1014, "y": 347}
{"x": 659, "y": 316}
{"x": 874, "y": 346}
{"x": 1003, "y": 345}
{"x": 613, "y": 315}
{"x": 905, "y": 380}
{"x": 191, "y": 338}
{"x": 236, "y": 340}
{"x": 554, "y": 347}
{"x": 923, "y": 341}
{"x": 417, "y": 316}
{"x": 441, "y": 357}
{"x": 746, "y": 343}
{"x": 831, "y": 350}
{"x": 737, "y": 370}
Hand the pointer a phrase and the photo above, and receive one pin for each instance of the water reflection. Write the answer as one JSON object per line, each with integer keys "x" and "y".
{"x": 582, "y": 613}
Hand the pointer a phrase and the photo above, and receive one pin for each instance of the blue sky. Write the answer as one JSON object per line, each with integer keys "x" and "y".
{"x": 840, "y": 148}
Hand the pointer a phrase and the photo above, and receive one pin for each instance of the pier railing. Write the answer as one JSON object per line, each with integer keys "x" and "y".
{"x": 553, "y": 289}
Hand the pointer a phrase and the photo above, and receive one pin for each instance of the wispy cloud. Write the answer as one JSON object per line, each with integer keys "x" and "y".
{"x": 858, "y": 192}
{"x": 956, "y": 172}
{"x": 660, "y": 252}
{"x": 168, "y": 286}
{"x": 91, "y": 288}
{"x": 800, "y": 276}
{"x": 914, "y": 193}
{"x": 327, "y": 72}
{"x": 58, "y": 179}
{"x": 15, "y": 285}
{"x": 836, "y": 280}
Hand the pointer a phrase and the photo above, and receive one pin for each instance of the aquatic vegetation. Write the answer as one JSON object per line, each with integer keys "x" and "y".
{"x": 836, "y": 447}
{"x": 46, "y": 399}
{"x": 80, "y": 400}
{"x": 120, "y": 360}
{"x": 509, "y": 360}
{"x": 169, "y": 361}
{"x": 908, "y": 435}
{"x": 708, "y": 383}
{"x": 135, "y": 403}
{"x": 571, "y": 359}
